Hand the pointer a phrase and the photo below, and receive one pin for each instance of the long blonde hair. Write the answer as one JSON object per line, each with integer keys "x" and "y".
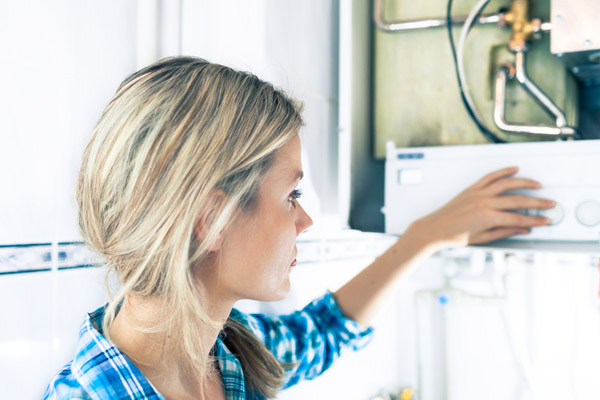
{"x": 173, "y": 133}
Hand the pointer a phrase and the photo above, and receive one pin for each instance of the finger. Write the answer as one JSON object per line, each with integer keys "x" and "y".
{"x": 515, "y": 220}
{"x": 504, "y": 185}
{"x": 493, "y": 176}
{"x": 498, "y": 233}
{"x": 515, "y": 202}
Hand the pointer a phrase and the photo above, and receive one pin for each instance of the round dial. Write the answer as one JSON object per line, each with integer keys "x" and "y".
{"x": 555, "y": 214}
{"x": 588, "y": 213}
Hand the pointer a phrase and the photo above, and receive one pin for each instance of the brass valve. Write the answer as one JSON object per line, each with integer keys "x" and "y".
{"x": 522, "y": 26}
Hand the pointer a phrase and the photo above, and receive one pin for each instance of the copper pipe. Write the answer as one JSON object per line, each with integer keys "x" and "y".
{"x": 398, "y": 26}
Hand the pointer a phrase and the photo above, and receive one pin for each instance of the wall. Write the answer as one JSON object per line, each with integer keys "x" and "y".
{"x": 41, "y": 313}
{"x": 66, "y": 61}
{"x": 61, "y": 63}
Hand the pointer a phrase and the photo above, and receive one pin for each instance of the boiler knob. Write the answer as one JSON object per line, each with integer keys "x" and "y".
{"x": 555, "y": 214}
{"x": 588, "y": 213}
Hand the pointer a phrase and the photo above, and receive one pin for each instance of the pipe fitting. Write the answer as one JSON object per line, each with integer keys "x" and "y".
{"x": 508, "y": 71}
{"x": 522, "y": 27}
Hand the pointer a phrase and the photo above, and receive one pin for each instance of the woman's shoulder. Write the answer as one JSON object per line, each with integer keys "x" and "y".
{"x": 323, "y": 308}
{"x": 99, "y": 367}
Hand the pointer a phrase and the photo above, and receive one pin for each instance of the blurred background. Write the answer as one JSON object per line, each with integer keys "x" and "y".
{"x": 514, "y": 320}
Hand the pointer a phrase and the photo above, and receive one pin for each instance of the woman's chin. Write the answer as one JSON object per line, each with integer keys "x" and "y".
{"x": 275, "y": 294}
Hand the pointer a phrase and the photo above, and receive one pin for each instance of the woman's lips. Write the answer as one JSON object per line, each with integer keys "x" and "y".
{"x": 294, "y": 263}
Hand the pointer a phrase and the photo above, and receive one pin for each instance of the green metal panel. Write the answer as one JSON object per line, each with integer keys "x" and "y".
{"x": 417, "y": 101}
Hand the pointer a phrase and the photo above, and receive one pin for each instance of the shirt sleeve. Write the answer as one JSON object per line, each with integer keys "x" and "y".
{"x": 307, "y": 342}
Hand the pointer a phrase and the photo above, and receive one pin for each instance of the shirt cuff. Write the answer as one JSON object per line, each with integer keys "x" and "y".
{"x": 349, "y": 332}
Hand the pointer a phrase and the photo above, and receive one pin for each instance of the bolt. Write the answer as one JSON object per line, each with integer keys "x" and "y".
{"x": 594, "y": 57}
{"x": 575, "y": 70}
{"x": 559, "y": 55}
{"x": 587, "y": 43}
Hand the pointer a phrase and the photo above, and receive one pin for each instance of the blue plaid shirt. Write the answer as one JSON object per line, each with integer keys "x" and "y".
{"x": 311, "y": 339}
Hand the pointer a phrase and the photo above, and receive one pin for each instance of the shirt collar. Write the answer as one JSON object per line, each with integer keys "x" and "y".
{"x": 106, "y": 372}
{"x": 103, "y": 370}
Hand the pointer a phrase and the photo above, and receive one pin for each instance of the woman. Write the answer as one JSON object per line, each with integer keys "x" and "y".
{"x": 188, "y": 190}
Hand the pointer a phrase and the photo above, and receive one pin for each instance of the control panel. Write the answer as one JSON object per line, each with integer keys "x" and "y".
{"x": 420, "y": 180}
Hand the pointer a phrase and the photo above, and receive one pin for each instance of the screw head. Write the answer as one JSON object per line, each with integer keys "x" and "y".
{"x": 594, "y": 57}
{"x": 587, "y": 43}
{"x": 575, "y": 70}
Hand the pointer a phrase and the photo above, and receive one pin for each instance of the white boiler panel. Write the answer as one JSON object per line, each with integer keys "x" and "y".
{"x": 419, "y": 180}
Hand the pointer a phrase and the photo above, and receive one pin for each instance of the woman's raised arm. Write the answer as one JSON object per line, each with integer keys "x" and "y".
{"x": 479, "y": 214}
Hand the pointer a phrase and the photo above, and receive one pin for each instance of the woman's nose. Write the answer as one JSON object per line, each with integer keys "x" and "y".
{"x": 304, "y": 220}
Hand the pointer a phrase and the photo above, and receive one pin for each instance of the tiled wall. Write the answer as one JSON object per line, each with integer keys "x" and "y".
{"x": 61, "y": 62}
{"x": 467, "y": 325}
{"x": 41, "y": 313}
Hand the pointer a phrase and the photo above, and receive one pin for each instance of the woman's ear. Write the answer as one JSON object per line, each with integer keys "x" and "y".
{"x": 207, "y": 218}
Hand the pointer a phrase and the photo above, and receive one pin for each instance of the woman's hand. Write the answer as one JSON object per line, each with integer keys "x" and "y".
{"x": 480, "y": 213}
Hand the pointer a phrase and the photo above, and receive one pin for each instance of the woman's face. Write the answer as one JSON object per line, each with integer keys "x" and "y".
{"x": 258, "y": 250}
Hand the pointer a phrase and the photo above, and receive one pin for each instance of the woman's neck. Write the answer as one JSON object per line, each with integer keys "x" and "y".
{"x": 156, "y": 354}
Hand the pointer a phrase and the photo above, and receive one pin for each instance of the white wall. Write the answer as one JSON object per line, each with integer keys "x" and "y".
{"x": 40, "y": 314}
{"x": 61, "y": 62}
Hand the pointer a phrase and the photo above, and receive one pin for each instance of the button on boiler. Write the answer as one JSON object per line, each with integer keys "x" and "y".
{"x": 556, "y": 214}
{"x": 588, "y": 213}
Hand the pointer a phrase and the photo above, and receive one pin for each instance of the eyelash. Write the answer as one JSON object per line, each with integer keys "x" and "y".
{"x": 296, "y": 194}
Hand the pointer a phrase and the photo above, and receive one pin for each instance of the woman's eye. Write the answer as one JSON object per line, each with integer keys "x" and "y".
{"x": 296, "y": 193}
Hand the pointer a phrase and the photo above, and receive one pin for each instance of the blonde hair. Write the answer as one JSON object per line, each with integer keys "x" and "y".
{"x": 174, "y": 133}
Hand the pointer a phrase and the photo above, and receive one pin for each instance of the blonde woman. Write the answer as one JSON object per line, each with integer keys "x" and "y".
{"x": 188, "y": 190}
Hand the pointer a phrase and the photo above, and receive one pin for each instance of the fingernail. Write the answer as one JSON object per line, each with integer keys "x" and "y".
{"x": 551, "y": 203}
{"x": 537, "y": 184}
{"x": 547, "y": 221}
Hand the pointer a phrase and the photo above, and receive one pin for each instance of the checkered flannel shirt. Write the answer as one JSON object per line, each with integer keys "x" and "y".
{"x": 310, "y": 339}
